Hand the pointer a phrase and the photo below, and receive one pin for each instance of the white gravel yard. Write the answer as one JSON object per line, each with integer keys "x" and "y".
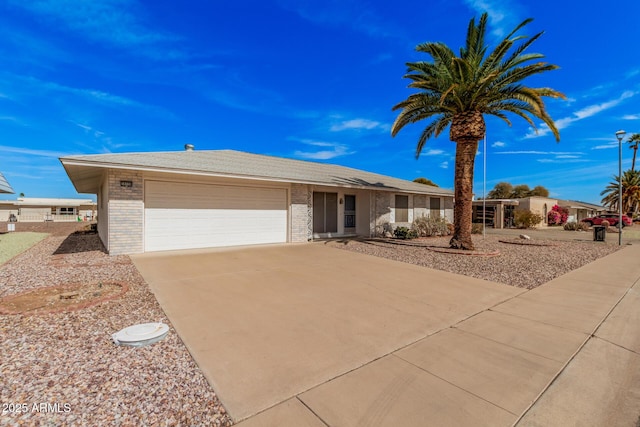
{"x": 525, "y": 266}
{"x": 62, "y": 369}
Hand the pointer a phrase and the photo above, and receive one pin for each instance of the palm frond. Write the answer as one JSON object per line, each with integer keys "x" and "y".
{"x": 477, "y": 81}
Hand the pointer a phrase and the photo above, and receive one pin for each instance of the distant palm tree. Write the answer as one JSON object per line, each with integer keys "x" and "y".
{"x": 633, "y": 144}
{"x": 425, "y": 181}
{"x": 630, "y": 192}
{"x": 460, "y": 90}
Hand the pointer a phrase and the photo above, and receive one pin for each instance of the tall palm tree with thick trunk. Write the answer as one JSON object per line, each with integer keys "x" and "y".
{"x": 457, "y": 91}
{"x": 633, "y": 141}
{"x": 630, "y": 192}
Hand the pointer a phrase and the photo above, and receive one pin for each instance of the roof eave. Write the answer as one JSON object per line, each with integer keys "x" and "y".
{"x": 92, "y": 188}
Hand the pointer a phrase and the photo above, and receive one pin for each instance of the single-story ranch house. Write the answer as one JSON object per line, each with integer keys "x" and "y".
{"x": 199, "y": 199}
{"x": 31, "y": 209}
{"x": 499, "y": 213}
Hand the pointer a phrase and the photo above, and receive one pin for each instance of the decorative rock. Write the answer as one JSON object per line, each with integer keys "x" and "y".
{"x": 388, "y": 234}
{"x": 69, "y": 295}
{"x": 525, "y": 237}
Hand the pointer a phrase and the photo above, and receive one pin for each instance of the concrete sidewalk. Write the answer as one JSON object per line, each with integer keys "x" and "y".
{"x": 313, "y": 336}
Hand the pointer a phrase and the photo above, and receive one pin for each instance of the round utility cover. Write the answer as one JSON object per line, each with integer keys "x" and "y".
{"x": 141, "y": 335}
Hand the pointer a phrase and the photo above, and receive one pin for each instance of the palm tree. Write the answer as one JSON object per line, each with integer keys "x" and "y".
{"x": 633, "y": 144}
{"x": 460, "y": 90}
{"x": 630, "y": 192}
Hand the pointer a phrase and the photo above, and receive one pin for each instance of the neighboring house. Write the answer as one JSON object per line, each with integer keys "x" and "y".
{"x": 498, "y": 213}
{"x": 199, "y": 199}
{"x": 36, "y": 209}
{"x": 538, "y": 205}
{"x": 580, "y": 210}
{"x": 5, "y": 188}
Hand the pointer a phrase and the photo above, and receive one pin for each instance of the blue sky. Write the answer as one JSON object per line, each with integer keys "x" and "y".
{"x": 312, "y": 80}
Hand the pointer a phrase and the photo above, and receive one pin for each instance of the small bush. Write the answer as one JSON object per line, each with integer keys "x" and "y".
{"x": 476, "y": 228}
{"x": 405, "y": 233}
{"x": 576, "y": 226}
{"x": 426, "y": 227}
{"x": 451, "y": 227}
{"x": 605, "y": 224}
{"x": 526, "y": 219}
{"x": 558, "y": 215}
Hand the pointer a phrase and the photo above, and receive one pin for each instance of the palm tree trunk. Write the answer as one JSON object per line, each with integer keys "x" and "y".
{"x": 635, "y": 151}
{"x": 463, "y": 192}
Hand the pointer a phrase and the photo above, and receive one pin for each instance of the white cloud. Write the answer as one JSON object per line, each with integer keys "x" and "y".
{"x": 554, "y": 153}
{"x": 561, "y": 160}
{"x": 360, "y": 17}
{"x": 584, "y": 113}
{"x": 32, "y": 152}
{"x": 358, "y": 124}
{"x": 433, "y": 153}
{"x": 502, "y": 14}
{"x": 631, "y": 117}
{"x": 112, "y": 22}
{"x": 93, "y": 95}
{"x": 335, "y": 150}
{"x": 444, "y": 165}
{"x": 11, "y": 119}
{"x": 605, "y": 146}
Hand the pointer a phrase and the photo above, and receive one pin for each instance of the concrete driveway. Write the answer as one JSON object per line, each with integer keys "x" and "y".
{"x": 266, "y": 324}
{"x": 306, "y": 335}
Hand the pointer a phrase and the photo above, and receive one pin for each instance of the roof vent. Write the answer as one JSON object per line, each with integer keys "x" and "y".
{"x": 188, "y": 147}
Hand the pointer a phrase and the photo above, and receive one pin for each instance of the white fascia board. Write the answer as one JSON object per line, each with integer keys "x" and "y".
{"x": 251, "y": 177}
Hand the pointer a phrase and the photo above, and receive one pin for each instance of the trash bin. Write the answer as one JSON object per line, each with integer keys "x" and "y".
{"x": 599, "y": 233}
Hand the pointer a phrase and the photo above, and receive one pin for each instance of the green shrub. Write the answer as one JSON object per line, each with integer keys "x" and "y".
{"x": 405, "y": 233}
{"x": 526, "y": 219}
{"x": 426, "y": 227}
{"x": 576, "y": 226}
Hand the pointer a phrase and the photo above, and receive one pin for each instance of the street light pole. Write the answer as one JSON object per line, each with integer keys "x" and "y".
{"x": 620, "y": 134}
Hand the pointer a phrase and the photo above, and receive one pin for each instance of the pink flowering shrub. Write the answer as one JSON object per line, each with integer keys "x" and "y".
{"x": 557, "y": 215}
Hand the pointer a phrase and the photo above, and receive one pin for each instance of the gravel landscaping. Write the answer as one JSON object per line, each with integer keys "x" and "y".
{"x": 62, "y": 368}
{"x": 525, "y": 265}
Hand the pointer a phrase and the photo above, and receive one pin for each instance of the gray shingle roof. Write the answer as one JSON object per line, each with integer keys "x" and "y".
{"x": 247, "y": 165}
{"x": 4, "y": 186}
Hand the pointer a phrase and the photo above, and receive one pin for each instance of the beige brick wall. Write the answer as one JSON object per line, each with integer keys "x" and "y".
{"x": 381, "y": 211}
{"x": 300, "y": 213}
{"x": 126, "y": 212}
{"x": 448, "y": 209}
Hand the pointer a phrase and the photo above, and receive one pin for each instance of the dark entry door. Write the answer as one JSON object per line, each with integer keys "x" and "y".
{"x": 325, "y": 212}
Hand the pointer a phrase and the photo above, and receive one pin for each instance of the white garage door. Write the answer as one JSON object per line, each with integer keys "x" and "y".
{"x": 186, "y": 216}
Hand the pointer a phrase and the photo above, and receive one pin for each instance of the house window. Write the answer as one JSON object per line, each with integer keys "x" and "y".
{"x": 67, "y": 211}
{"x": 402, "y": 208}
{"x": 434, "y": 207}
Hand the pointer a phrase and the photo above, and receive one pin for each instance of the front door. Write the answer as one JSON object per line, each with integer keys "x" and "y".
{"x": 325, "y": 212}
{"x": 349, "y": 211}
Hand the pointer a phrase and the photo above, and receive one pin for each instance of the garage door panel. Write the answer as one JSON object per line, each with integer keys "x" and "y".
{"x": 204, "y": 196}
{"x": 184, "y": 216}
